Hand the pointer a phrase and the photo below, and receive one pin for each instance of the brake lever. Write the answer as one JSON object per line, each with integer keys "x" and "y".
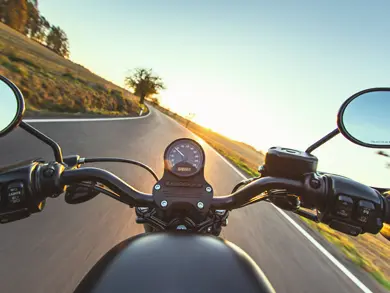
{"x": 307, "y": 215}
{"x": 81, "y": 192}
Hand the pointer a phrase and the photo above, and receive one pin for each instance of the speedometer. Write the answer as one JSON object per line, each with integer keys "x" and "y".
{"x": 184, "y": 157}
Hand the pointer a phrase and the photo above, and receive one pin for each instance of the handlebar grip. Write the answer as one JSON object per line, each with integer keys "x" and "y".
{"x": 387, "y": 210}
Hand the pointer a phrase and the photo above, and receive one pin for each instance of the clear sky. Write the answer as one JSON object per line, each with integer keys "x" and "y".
{"x": 9, "y": 106}
{"x": 264, "y": 72}
{"x": 373, "y": 107}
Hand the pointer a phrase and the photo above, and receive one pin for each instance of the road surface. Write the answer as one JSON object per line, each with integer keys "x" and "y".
{"x": 52, "y": 251}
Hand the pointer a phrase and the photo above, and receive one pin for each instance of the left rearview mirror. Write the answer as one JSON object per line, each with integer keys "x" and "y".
{"x": 11, "y": 106}
{"x": 364, "y": 118}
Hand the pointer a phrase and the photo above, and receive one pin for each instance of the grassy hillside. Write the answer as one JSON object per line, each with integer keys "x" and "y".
{"x": 52, "y": 83}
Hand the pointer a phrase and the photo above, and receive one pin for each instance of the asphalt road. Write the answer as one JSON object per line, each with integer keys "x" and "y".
{"x": 52, "y": 251}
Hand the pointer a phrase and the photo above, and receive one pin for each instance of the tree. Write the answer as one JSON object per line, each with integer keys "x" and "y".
{"x": 16, "y": 14}
{"x": 57, "y": 41}
{"x": 33, "y": 25}
{"x": 143, "y": 83}
{"x": 44, "y": 29}
{"x": 3, "y": 10}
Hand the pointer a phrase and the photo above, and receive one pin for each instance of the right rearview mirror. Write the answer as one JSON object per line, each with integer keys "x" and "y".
{"x": 364, "y": 118}
{"x": 11, "y": 106}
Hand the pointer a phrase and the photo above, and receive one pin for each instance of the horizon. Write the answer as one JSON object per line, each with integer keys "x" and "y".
{"x": 258, "y": 62}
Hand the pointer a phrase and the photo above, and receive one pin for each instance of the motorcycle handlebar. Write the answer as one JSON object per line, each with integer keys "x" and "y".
{"x": 342, "y": 203}
{"x": 133, "y": 197}
{"x": 321, "y": 192}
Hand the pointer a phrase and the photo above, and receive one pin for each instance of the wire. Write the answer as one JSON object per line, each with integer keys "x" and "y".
{"x": 104, "y": 191}
{"x": 120, "y": 160}
{"x": 244, "y": 182}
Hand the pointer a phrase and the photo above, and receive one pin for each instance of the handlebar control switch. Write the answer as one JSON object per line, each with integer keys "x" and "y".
{"x": 345, "y": 228}
{"x": 364, "y": 210}
{"x": 15, "y": 194}
{"x": 344, "y": 206}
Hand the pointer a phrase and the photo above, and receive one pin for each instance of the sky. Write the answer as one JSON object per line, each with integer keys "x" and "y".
{"x": 374, "y": 108}
{"x": 9, "y": 106}
{"x": 263, "y": 72}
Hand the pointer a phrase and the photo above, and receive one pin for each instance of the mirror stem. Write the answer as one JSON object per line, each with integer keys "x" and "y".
{"x": 55, "y": 147}
{"x": 323, "y": 140}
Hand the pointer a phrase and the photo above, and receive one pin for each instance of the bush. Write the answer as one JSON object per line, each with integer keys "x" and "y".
{"x": 15, "y": 58}
{"x": 155, "y": 101}
{"x": 68, "y": 75}
{"x": 16, "y": 68}
{"x": 99, "y": 87}
{"x": 4, "y": 59}
{"x": 116, "y": 94}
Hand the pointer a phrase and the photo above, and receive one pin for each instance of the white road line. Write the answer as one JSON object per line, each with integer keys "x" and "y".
{"x": 327, "y": 254}
{"x": 56, "y": 120}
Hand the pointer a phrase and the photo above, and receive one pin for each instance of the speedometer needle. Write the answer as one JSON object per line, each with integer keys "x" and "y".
{"x": 180, "y": 152}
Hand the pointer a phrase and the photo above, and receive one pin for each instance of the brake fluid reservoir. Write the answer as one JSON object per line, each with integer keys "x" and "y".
{"x": 289, "y": 163}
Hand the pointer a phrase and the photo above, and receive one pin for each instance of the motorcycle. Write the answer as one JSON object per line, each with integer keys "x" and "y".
{"x": 182, "y": 214}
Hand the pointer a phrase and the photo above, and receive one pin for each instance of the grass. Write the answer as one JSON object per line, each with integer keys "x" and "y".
{"x": 52, "y": 83}
{"x": 236, "y": 160}
{"x": 369, "y": 252}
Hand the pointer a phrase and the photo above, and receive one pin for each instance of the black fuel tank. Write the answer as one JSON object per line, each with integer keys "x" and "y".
{"x": 175, "y": 263}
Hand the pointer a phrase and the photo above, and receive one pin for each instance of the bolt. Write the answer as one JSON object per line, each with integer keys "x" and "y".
{"x": 164, "y": 203}
{"x": 220, "y": 212}
{"x": 157, "y": 187}
{"x": 208, "y": 189}
{"x": 200, "y": 205}
{"x": 143, "y": 209}
{"x": 49, "y": 172}
{"x": 261, "y": 169}
{"x": 315, "y": 183}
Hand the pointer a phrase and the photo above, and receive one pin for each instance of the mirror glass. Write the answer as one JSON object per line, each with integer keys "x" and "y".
{"x": 11, "y": 107}
{"x": 366, "y": 119}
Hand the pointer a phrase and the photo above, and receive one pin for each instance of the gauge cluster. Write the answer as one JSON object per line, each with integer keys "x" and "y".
{"x": 184, "y": 158}
{"x": 183, "y": 184}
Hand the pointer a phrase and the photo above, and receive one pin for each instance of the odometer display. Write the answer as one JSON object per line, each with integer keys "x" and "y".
{"x": 184, "y": 157}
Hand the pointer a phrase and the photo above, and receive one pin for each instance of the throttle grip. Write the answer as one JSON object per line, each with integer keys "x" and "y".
{"x": 387, "y": 209}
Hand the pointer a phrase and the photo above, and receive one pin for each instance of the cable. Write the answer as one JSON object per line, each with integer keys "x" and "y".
{"x": 120, "y": 160}
{"x": 103, "y": 190}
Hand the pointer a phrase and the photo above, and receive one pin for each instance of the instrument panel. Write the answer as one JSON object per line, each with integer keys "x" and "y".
{"x": 183, "y": 186}
{"x": 184, "y": 157}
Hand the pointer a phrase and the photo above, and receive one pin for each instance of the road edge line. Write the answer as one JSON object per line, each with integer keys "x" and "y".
{"x": 60, "y": 120}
